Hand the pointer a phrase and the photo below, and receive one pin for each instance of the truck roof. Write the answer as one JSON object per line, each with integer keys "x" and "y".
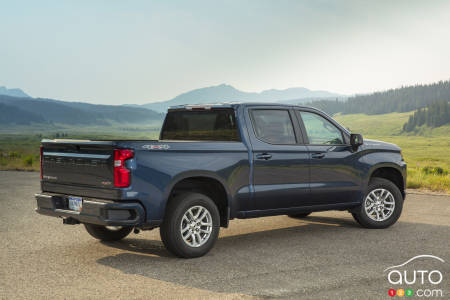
{"x": 230, "y": 105}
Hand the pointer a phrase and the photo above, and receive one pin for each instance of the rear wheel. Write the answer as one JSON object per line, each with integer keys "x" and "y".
{"x": 300, "y": 216}
{"x": 191, "y": 225}
{"x": 108, "y": 233}
{"x": 382, "y": 205}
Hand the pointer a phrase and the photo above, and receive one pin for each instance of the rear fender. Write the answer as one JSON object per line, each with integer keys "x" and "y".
{"x": 191, "y": 174}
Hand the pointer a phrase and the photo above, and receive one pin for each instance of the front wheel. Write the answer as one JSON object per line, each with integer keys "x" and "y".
{"x": 191, "y": 225}
{"x": 382, "y": 205}
{"x": 108, "y": 233}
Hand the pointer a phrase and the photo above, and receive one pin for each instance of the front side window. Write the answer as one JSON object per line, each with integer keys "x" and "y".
{"x": 319, "y": 130}
{"x": 273, "y": 126}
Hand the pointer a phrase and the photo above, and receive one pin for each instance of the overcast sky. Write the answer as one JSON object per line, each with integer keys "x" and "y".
{"x": 116, "y": 52}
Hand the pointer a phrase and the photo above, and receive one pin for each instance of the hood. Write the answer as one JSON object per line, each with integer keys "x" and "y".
{"x": 374, "y": 144}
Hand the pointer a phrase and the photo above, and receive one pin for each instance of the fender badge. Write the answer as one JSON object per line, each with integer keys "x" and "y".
{"x": 156, "y": 147}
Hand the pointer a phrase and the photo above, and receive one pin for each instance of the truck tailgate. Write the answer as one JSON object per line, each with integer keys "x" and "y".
{"x": 78, "y": 163}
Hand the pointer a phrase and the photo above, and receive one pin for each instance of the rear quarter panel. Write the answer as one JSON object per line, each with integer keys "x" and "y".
{"x": 158, "y": 166}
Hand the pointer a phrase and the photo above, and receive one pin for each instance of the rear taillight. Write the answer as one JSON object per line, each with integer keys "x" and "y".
{"x": 121, "y": 173}
{"x": 41, "y": 160}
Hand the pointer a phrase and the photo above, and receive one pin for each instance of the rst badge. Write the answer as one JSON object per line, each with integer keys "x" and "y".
{"x": 156, "y": 147}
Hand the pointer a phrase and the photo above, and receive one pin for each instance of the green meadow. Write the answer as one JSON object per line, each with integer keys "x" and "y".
{"x": 20, "y": 151}
{"x": 426, "y": 150}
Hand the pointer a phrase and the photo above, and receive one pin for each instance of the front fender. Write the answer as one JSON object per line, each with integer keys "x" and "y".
{"x": 380, "y": 160}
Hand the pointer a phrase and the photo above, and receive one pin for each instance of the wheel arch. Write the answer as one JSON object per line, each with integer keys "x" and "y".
{"x": 207, "y": 183}
{"x": 391, "y": 172}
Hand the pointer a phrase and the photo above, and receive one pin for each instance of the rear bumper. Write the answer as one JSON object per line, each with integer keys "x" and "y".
{"x": 94, "y": 211}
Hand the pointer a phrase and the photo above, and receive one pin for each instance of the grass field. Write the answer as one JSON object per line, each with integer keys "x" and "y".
{"x": 426, "y": 151}
{"x": 19, "y": 151}
{"x": 375, "y": 125}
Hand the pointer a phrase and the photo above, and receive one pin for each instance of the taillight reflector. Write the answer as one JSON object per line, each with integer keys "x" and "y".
{"x": 41, "y": 161}
{"x": 121, "y": 173}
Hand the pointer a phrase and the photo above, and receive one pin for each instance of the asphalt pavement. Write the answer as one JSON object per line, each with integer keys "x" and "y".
{"x": 325, "y": 256}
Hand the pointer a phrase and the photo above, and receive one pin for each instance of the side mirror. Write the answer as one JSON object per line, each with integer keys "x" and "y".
{"x": 356, "y": 140}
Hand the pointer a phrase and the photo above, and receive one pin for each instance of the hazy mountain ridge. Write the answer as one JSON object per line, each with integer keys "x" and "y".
{"x": 25, "y": 110}
{"x": 19, "y": 108}
{"x": 227, "y": 93}
{"x": 16, "y": 110}
{"x": 12, "y": 92}
{"x": 14, "y": 115}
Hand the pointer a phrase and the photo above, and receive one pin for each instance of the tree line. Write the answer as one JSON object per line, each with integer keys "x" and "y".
{"x": 402, "y": 99}
{"x": 434, "y": 115}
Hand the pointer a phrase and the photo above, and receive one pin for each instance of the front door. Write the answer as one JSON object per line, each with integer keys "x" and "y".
{"x": 336, "y": 170}
{"x": 280, "y": 159}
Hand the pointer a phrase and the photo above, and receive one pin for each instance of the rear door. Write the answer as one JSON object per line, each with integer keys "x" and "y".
{"x": 280, "y": 159}
{"x": 335, "y": 175}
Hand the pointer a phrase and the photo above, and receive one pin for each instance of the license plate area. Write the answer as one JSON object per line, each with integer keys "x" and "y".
{"x": 75, "y": 203}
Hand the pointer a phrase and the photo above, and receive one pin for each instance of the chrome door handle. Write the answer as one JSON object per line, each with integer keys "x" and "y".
{"x": 265, "y": 156}
{"x": 318, "y": 155}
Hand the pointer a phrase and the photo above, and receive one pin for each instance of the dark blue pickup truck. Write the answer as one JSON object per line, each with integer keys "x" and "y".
{"x": 214, "y": 163}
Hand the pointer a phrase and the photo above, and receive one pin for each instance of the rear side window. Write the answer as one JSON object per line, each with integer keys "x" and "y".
{"x": 273, "y": 126}
{"x": 207, "y": 125}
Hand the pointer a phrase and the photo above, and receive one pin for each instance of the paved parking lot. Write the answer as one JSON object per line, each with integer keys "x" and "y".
{"x": 324, "y": 256}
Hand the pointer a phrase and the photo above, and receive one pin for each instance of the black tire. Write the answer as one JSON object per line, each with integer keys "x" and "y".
{"x": 300, "y": 216}
{"x": 362, "y": 217}
{"x": 171, "y": 227}
{"x": 105, "y": 234}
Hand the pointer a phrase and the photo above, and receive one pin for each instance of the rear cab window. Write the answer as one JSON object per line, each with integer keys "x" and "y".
{"x": 201, "y": 125}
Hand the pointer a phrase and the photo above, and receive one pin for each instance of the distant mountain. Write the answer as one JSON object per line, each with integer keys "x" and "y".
{"x": 12, "y": 92}
{"x": 296, "y": 93}
{"x": 227, "y": 93}
{"x": 17, "y": 110}
{"x": 14, "y": 115}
